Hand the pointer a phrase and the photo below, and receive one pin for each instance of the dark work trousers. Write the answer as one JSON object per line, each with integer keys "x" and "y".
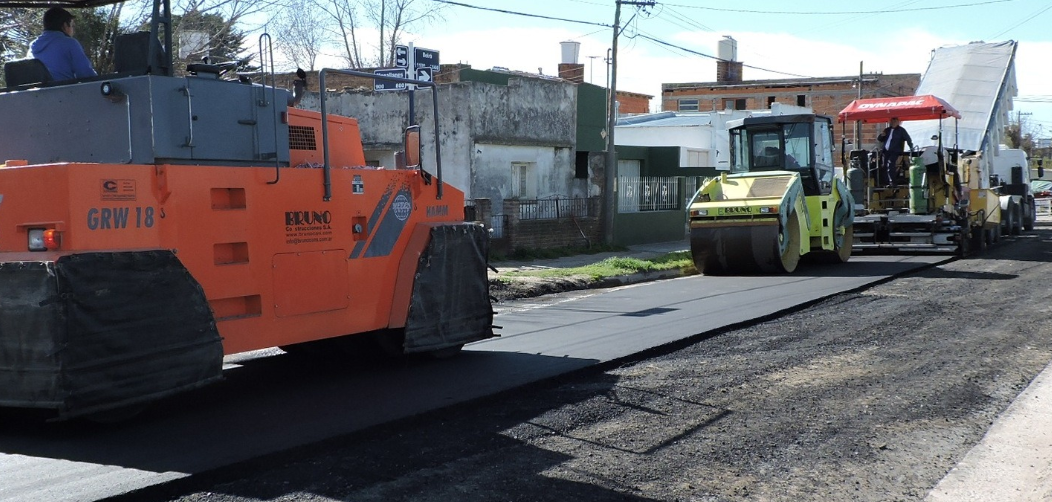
{"x": 888, "y": 167}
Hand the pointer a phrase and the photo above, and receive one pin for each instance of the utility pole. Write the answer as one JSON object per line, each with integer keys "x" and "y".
{"x": 858, "y": 125}
{"x": 609, "y": 201}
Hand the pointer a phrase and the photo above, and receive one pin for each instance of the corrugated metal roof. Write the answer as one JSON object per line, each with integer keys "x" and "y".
{"x": 666, "y": 119}
{"x": 978, "y": 79}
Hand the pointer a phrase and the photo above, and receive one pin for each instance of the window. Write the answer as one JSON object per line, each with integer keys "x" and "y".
{"x": 523, "y": 181}
{"x": 688, "y": 105}
{"x": 801, "y": 100}
{"x": 770, "y": 101}
{"x": 798, "y": 146}
{"x": 581, "y": 166}
{"x": 824, "y": 155}
{"x": 734, "y": 103}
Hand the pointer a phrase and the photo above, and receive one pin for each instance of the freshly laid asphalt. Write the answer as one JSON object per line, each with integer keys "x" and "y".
{"x": 267, "y": 405}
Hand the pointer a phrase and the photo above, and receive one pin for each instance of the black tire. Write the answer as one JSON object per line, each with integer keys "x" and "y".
{"x": 1017, "y": 220}
{"x": 963, "y": 242}
{"x": 978, "y": 237}
{"x": 789, "y": 260}
{"x": 1028, "y": 223}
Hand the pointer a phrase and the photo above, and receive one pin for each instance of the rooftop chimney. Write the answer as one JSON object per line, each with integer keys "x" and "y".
{"x": 728, "y": 68}
{"x": 569, "y": 68}
{"x": 570, "y": 51}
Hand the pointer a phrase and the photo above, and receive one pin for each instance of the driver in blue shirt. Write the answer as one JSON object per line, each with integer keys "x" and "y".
{"x": 58, "y": 50}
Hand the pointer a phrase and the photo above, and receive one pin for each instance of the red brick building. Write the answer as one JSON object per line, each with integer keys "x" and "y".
{"x": 826, "y": 96}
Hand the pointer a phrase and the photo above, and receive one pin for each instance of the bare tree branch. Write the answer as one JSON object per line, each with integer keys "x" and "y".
{"x": 301, "y": 33}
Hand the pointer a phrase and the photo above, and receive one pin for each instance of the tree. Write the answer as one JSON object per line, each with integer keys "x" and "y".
{"x": 95, "y": 29}
{"x": 1017, "y": 136}
{"x": 353, "y": 22}
{"x": 18, "y": 28}
{"x": 301, "y": 33}
{"x": 392, "y": 18}
{"x": 222, "y": 42}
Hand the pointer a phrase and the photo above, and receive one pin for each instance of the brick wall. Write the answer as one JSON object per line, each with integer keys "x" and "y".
{"x": 729, "y": 71}
{"x": 574, "y": 72}
{"x": 539, "y": 234}
{"x": 632, "y": 102}
{"x": 826, "y": 96}
{"x": 547, "y": 234}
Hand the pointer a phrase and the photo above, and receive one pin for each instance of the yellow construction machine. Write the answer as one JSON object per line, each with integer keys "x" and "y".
{"x": 781, "y": 200}
{"x": 945, "y": 203}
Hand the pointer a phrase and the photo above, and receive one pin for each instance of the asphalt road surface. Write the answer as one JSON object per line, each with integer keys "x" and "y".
{"x": 869, "y": 395}
{"x": 273, "y": 406}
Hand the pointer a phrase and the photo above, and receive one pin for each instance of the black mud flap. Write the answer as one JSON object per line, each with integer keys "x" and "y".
{"x": 97, "y": 331}
{"x": 450, "y": 303}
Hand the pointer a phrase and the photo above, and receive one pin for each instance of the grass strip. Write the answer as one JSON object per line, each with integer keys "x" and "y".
{"x": 615, "y": 266}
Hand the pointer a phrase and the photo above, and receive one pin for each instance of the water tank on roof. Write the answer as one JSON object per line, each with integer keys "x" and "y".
{"x": 570, "y": 51}
{"x": 728, "y": 49}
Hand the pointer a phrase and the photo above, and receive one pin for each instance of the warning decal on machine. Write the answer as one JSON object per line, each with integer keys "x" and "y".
{"x": 112, "y": 189}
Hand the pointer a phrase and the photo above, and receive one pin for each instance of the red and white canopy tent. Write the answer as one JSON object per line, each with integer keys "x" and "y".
{"x": 904, "y": 108}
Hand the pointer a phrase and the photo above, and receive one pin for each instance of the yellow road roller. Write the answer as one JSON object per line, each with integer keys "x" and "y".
{"x": 780, "y": 201}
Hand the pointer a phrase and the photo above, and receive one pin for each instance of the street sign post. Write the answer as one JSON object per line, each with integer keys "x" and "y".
{"x": 383, "y": 85}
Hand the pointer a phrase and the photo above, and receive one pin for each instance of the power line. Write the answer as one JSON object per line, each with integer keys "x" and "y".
{"x": 525, "y": 14}
{"x": 639, "y": 34}
{"x": 696, "y": 53}
{"x": 1020, "y": 23}
{"x": 838, "y": 13}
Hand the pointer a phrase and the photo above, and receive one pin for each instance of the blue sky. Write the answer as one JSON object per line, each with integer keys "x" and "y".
{"x": 803, "y": 38}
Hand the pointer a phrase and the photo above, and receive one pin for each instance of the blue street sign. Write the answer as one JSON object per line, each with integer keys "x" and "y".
{"x": 401, "y": 56}
{"x": 384, "y": 85}
{"x": 426, "y": 58}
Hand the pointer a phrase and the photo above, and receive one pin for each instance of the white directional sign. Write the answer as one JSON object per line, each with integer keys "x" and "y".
{"x": 425, "y": 74}
{"x": 385, "y": 85}
{"x": 401, "y": 56}
{"x": 426, "y": 58}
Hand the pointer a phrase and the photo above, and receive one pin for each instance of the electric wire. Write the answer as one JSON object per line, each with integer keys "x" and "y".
{"x": 525, "y": 14}
{"x": 1024, "y": 21}
{"x": 640, "y": 34}
{"x": 838, "y": 13}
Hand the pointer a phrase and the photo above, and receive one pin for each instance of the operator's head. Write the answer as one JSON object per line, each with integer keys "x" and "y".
{"x": 894, "y": 121}
{"x": 58, "y": 19}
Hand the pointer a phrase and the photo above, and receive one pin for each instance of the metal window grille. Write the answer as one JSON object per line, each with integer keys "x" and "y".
{"x": 648, "y": 193}
{"x": 553, "y": 209}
